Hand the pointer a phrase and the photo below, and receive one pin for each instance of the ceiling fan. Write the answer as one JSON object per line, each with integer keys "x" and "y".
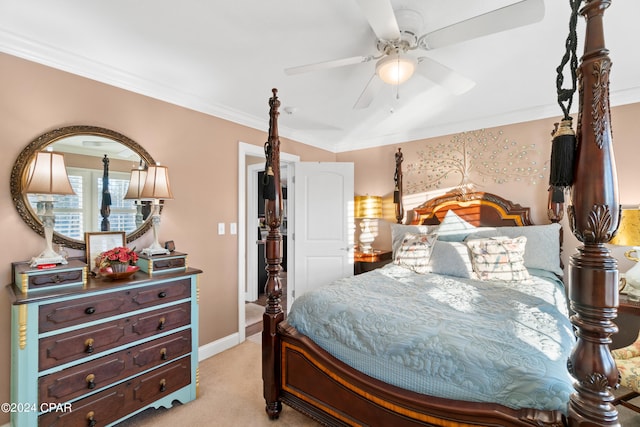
{"x": 398, "y": 32}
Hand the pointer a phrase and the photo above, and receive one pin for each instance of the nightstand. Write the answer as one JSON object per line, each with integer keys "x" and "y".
{"x": 628, "y": 322}
{"x": 363, "y": 262}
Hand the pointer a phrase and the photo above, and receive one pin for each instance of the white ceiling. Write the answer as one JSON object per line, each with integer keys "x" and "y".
{"x": 223, "y": 57}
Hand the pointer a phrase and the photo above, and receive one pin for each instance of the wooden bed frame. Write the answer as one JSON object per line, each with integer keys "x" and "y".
{"x": 299, "y": 373}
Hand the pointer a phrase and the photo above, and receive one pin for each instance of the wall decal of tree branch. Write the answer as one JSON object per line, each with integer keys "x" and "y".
{"x": 473, "y": 158}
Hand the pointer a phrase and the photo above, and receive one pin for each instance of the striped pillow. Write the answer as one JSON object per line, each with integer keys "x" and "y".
{"x": 499, "y": 258}
{"x": 414, "y": 252}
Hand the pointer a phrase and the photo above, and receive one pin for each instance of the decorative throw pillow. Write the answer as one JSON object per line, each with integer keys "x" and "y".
{"x": 398, "y": 231}
{"x": 414, "y": 252}
{"x": 451, "y": 259}
{"x": 453, "y": 228}
{"x": 499, "y": 258}
{"x": 543, "y": 243}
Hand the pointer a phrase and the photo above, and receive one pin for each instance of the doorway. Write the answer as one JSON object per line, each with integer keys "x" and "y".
{"x": 251, "y": 158}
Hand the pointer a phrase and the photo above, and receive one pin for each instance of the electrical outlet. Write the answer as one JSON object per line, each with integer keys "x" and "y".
{"x": 221, "y": 228}
{"x": 233, "y": 228}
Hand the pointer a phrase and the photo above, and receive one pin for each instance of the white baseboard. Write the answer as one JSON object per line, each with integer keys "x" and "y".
{"x": 211, "y": 349}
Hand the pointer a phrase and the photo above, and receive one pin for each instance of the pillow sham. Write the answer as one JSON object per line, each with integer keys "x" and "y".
{"x": 414, "y": 252}
{"x": 452, "y": 259}
{"x": 543, "y": 244}
{"x": 453, "y": 228}
{"x": 499, "y": 258}
{"x": 399, "y": 231}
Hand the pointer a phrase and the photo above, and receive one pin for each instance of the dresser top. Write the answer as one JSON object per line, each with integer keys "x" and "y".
{"x": 94, "y": 284}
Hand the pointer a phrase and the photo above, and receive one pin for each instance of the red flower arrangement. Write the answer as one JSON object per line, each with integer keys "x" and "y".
{"x": 119, "y": 255}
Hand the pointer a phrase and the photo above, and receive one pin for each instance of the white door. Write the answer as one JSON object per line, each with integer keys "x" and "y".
{"x": 323, "y": 224}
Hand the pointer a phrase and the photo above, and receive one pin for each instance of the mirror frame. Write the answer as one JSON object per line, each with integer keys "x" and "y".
{"x": 19, "y": 176}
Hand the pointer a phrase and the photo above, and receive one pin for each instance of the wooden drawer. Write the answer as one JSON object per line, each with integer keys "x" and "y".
{"x": 100, "y": 373}
{"x": 70, "y": 346}
{"x": 75, "y": 312}
{"x": 158, "y": 264}
{"x": 27, "y": 278}
{"x": 113, "y": 403}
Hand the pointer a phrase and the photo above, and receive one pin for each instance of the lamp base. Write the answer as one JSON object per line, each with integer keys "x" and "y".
{"x": 150, "y": 251}
{"x": 47, "y": 259}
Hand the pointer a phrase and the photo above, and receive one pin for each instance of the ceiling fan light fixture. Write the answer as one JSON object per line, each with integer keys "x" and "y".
{"x": 396, "y": 68}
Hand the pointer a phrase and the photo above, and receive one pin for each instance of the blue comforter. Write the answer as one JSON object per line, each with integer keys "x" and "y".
{"x": 445, "y": 336}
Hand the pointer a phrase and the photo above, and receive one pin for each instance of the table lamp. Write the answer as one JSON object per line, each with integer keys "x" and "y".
{"x": 629, "y": 235}
{"x": 367, "y": 208}
{"x": 136, "y": 184}
{"x": 46, "y": 177}
{"x": 156, "y": 188}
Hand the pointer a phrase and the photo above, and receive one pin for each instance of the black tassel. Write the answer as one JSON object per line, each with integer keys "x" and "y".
{"x": 268, "y": 185}
{"x": 563, "y": 149}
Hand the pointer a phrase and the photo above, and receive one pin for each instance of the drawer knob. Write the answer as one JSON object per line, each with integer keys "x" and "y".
{"x": 91, "y": 421}
{"x": 162, "y": 294}
{"x": 90, "y": 310}
{"x": 88, "y": 344}
{"x": 163, "y": 354}
{"x": 163, "y": 385}
{"x": 91, "y": 383}
{"x": 161, "y": 323}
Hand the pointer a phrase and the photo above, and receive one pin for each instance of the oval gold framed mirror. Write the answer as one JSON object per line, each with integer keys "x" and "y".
{"x": 84, "y": 148}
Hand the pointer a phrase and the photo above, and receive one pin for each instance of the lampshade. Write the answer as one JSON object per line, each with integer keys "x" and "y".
{"x": 136, "y": 184}
{"x": 156, "y": 185}
{"x": 396, "y": 68}
{"x": 368, "y": 207}
{"x": 629, "y": 228}
{"x": 48, "y": 175}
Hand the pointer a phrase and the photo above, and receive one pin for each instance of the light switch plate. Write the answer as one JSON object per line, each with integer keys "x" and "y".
{"x": 221, "y": 228}
{"x": 233, "y": 228}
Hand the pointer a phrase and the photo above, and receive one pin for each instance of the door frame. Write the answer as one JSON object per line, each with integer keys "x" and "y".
{"x": 245, "y": 150}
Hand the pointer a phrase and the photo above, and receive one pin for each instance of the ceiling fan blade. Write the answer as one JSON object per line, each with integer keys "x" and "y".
{"x": 444, "y": 76}
{"x": 381, "y": 18}
{"x": 369, "y": 93}
{"x": 506, "y": 18}
{"x": 327, "y": 64}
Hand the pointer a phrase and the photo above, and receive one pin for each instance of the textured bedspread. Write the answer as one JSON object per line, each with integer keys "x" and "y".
{"x": 449, "y": 337}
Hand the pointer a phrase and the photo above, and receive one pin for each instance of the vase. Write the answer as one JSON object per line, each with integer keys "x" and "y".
{"x": 119, "y": 267}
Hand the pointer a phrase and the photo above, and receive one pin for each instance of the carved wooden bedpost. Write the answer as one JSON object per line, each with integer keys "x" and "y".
{"x": 273, "y": 312}
{"x": 397, "y": 191}
{"x": 593, "y": 216}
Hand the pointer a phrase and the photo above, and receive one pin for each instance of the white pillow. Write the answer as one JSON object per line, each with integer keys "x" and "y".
{"x": 399, "y": 231}
{"x": 414, "y": 252}
{"x": 499, "y": 258}
{"x": 542, "y": 249}
{"x": 453, "y": 228}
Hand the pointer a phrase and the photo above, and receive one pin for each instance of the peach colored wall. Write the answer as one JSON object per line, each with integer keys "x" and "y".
{"x": 200, "y": 150}
{"x": 374, "y": 170}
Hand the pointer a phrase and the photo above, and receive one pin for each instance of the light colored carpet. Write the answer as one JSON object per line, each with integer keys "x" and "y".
{"x": 253, "y": 313}
{"x": 230, "y": 395}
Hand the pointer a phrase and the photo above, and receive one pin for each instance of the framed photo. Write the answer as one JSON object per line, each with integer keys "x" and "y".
{"x": 100, "y": 241}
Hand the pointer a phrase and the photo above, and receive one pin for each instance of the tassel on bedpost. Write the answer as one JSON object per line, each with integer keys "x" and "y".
{"x": 273, "y": 314}
{"x": 563, "y": 149}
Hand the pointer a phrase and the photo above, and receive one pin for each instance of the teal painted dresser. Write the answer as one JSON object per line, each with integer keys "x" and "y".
{"x": 97, "y": 353}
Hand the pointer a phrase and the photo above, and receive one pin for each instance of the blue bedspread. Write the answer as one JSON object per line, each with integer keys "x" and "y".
{"x": 444, "y": 336}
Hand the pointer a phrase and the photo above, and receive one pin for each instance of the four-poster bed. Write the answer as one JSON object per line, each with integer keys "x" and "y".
{"x": 300, "y": 373}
